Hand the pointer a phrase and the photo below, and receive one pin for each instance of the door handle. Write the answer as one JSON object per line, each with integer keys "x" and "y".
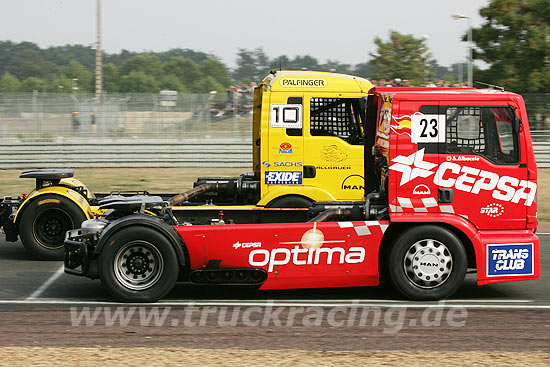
{"x": 445, "y": 196}
{"x": 310, "y": 172}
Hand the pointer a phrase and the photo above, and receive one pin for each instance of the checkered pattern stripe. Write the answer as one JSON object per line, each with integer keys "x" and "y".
{"x": 423, "y": 205}
{"x": 363, "y": 228}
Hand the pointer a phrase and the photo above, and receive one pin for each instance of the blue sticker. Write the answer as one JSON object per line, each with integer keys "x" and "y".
{"x": 510, "y": 260}
{"x": 283, "y": 178}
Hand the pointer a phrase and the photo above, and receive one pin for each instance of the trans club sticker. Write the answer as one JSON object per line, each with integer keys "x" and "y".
{"x": 510, "y": 260}
{"x": 283, "y": 178}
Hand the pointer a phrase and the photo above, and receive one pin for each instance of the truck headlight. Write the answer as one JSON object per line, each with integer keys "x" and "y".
{"x": 92, "y": 226}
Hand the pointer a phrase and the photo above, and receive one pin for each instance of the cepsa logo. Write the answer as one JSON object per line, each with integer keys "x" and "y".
{"x": 464, "y": 178}
{"x": 307, "y": 251}
{"x": 285, "y": 148}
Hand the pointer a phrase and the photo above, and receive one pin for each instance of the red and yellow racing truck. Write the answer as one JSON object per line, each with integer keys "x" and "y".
{"x": 450, "y": 183}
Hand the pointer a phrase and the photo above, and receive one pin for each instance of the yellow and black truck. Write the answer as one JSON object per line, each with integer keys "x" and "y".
{"x": 307, "y": 146}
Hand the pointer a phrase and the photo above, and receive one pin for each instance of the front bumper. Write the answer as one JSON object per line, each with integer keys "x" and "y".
{"x": 79, "y": 252}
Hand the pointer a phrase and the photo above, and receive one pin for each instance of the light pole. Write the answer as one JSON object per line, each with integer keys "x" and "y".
{"x": 98, "y": 55}
{"x": 470, "y": 46}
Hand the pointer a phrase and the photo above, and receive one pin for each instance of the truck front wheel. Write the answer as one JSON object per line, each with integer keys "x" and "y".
{"x": 427, "y": 263}
{"x": 44, "y": 223}
{"x": 138, "y": 265}
{"x": 290, "y": 201}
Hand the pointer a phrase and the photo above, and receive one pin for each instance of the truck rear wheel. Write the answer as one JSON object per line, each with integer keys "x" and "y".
{"x": 138, "y": 265}
{"x": 427, "y": 263}
{"x": 44, "y": 223}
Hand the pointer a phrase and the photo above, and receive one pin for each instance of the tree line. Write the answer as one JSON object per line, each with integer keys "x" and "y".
{"x": 514, "y": 41}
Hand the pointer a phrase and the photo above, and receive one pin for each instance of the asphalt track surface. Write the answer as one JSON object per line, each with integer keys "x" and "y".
{"x": 38, "y": 304}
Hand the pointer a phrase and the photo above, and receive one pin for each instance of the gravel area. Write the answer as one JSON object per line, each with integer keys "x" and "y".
{"x": 59, "y": 357}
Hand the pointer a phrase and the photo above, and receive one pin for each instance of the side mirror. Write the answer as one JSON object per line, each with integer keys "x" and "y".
{"x": 517, "y": 125}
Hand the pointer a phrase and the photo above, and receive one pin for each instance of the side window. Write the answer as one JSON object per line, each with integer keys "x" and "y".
{"x": 485, "y": 131}
{"x": 339, "y": 117}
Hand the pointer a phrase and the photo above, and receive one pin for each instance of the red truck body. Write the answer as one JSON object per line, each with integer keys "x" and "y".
{"x": 493, "y": 205}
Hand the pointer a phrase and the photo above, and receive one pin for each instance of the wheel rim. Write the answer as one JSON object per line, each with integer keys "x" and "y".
{"x": 50, "y": 226}
{"x": 138, "y": 265}
{"x": 428, "y": 263}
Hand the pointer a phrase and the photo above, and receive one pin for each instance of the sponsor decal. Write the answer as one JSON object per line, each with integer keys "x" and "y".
{"x": 303, "y": 82}
{"x": 465, "y": 178}
{"x": 421, "y": 190}
{"x": 334, "y": 167}
{"x": 282, "y": 164}
{"x": 492, "y": 210}
{"x": 331, "y": 153}
{"x": 510, "y": 259}
{"x": 461, "y": 158}
{"x": 283, "y": 177}
{"x": 307, "y": 251}
{"x": 239, "y": 244}
{"x": 286, "y": 116}
{"x": 285, "y": 148}
{"x": 353, "y": 182}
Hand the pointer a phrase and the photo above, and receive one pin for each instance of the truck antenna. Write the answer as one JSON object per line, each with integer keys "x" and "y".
{"x": 491, "y": 86}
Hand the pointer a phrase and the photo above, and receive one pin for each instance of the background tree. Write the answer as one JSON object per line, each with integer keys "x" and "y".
{"x": 252, "y": 65}
{"x": 9, "y": 84}
{"x": 110, "y": 78}
{"x": 515, "y": 42}
{"x": 402, "y": 56}
{"x": 31, "y": 84}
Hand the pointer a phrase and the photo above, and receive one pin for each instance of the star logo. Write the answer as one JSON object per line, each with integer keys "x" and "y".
{"x": 420, "y": 168}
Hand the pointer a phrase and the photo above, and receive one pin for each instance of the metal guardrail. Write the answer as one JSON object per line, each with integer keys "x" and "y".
{"x": 128, "y": 152}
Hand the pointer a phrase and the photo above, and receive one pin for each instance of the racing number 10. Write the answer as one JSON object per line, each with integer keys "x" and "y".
{"x": 286, "y": 116}
{"x": 428, "y": 128}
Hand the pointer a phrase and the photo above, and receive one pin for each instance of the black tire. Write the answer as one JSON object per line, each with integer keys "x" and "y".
{"x": 138, "y": 265}
{"x": 427, "y": 263}
{"x": 290, "y": 201}
{"x": 44, "y": 223}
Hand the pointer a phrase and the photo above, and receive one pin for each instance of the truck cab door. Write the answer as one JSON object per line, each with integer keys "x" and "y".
{"x": 482, "y": 174}
{"x": 282, "y": 161}
{"x": 333, "y": 144}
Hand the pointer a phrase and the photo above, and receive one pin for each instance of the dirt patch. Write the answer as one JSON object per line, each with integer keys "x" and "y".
{"x": 59, "y": 357}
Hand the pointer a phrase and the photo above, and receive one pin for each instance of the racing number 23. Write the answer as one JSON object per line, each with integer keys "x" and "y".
{"x": 428, "y": 128}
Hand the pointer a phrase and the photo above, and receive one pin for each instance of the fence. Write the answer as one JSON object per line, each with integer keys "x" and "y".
{"x": 50, "y": 115}
{"x": 38, "y": 130}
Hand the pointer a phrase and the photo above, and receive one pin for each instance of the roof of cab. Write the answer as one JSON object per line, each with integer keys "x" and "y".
{"x": 317, "y": 81}
{"x": 428, "y": 93}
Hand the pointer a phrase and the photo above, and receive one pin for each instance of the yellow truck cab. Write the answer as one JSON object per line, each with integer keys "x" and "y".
{"x": 308, "y": 137}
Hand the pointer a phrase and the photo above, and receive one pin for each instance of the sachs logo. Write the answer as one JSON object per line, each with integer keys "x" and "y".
{"x": 493, "y": 210}
{"x": 421, "y": 190}
{"x": 285, "y": 148}
{"x": 464, "y": 178}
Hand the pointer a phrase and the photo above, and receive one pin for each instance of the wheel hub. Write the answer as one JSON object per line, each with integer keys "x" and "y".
{"x": 428, "y": 263}
{"x": 138, "y": 265}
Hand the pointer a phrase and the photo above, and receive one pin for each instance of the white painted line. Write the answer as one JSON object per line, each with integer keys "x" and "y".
{"x": 38, "y": 292}
{"x": 542, "y": 233}
{"x": 275, "y": 304}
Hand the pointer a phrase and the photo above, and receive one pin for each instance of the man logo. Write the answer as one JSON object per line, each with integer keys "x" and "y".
{"x": 422, "y": 190}
{"x": 353, "y": 182}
